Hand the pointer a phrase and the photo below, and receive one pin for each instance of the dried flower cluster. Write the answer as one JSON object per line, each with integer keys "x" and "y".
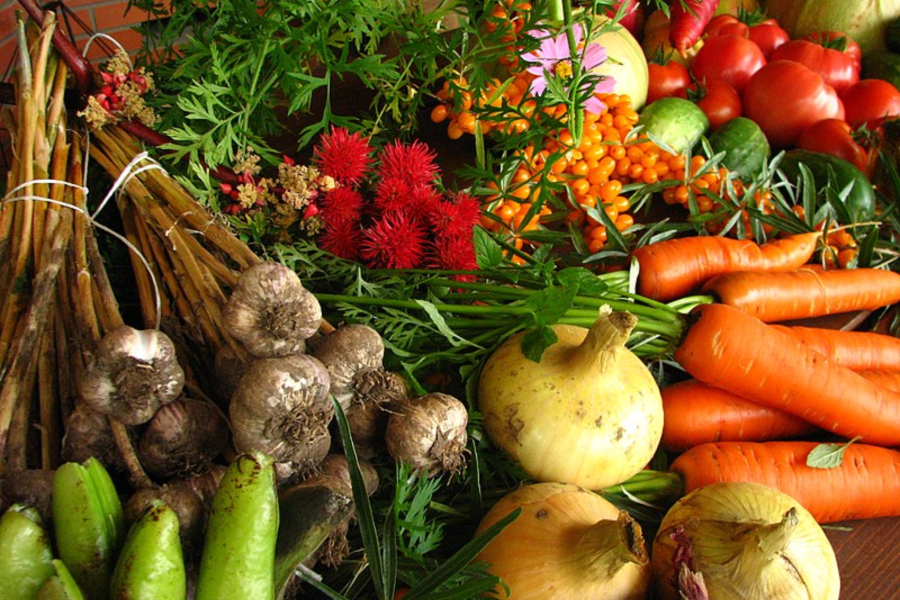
{"x": 389, "y": 212}
{"x": 121, "y": 94}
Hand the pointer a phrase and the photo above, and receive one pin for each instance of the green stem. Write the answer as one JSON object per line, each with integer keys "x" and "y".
{"x": 646, "y": 483}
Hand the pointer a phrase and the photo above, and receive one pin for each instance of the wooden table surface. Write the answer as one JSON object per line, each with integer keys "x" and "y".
{"x": 868, "y": 554}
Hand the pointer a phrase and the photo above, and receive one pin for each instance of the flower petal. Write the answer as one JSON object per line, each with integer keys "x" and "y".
{"x": 594, "y": 105}
{"x": 594, "y": 55}
{"x": 538, "y": 86}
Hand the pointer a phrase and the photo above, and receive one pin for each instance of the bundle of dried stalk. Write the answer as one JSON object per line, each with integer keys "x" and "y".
{"x": 192, "y": 260}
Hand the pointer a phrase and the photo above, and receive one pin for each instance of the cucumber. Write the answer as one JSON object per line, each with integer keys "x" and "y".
{"x": 674, "y": 122}
{"x": 882, "y": 65}
{"x": 745, "y": 146}
{"x": 838, "y": 173}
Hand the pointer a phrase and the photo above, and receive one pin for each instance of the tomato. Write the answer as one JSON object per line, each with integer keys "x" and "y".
{"x": 785, "y": 97}
{"x": 834, "y": 137}
{"x": 717, "y": 99}
{"x": 670, "y": 79}
{"x": 768, "y": 35}
{"x": 870, "y": 101}
{"x": 730, "y": 57}
{"x": 839, "y": 41}
{"x": 725, "y": 25}
{"x": 837, "y": 68}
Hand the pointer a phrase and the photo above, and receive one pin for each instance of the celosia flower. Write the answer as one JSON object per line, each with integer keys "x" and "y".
{"x": 553, "y": 60}
{"x": 395, "y": 241}
{"x": 412, "y": 163}
{"x": 341, "y": 205}
{"x": 344, "y": 156}
{"x": 343, "y": 239}
{"x": 454, "y": 217}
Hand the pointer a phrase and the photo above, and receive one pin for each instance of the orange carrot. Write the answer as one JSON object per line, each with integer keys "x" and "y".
{"x": 695, "y": 413}
{"x": 673, "y": 268}
{"x": 729, "y": 349}
{"x": 889, "y": 380}
{"x": 806, "y": 293}
{"x": 689, "y": 19}
{"x": 865, "y": 485}
{"x": 856, "y": 350}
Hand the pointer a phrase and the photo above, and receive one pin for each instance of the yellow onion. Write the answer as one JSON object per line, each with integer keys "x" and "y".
{"x": 743, "y": 541}
{"x": 589, "y": 413}
{"x": 567, "y": 543}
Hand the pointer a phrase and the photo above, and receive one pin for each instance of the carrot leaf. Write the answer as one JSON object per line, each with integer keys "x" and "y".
{"x": 827, "y": 455}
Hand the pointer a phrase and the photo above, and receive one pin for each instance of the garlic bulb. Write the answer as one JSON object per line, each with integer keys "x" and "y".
{"x": 429, "y": 433}
{"x": 567, "y": 543}
{"x": 377, "y": 393}
{"x": 88, "y": 433}
{"x": 133, "y": 374}
{"x": 270, "y": 311}
{"x": 347, "y": 352}
{"x": 182, "y": 436}
{"x": 281, "y": 408}
{"x": 743, "y": 541}
{"x": 589, "y": 413}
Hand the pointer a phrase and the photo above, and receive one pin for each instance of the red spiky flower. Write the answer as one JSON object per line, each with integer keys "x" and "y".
{"x": 394, "y": 241}
{"x": 341, "y": 205}
{"x": 344, "y": 156}
{"x": 455, "y": 217}
{"x": 412, "y": 162}
{"x": 343, "y": 239}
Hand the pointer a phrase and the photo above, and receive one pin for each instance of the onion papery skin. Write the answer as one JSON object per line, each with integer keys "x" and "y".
{"x": 745, "y": 546}
{"x": 589, "y": 413}
{"x": 568, "y": 543}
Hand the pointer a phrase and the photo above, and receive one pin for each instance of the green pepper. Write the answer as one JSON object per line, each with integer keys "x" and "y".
{"x": 61, "y": 585}
{"x": 151, "y": 565}
{"x": 88, "y": 523}
{"x": 238, "y": 559}
{"x": 26, "y": 558}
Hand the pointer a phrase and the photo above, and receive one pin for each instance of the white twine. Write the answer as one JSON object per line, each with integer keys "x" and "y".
{"x": 90, "y": 40}
{"x": 129, "y": 172}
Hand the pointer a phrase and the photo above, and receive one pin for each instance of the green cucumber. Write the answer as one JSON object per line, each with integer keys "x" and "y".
{"x": 676, "y": 123}
{"x": 837, "y": 173}
{"x": 745, "y": 146}
{"x": 882, "y": 65}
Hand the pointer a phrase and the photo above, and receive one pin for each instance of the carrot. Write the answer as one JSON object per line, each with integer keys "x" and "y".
{"x": 889, "y": 380}
{"x": 729, "y": 349}
{"x": 865, "y": 485}
{"x": 806, "y": 293}
{"x": 689, "y": 19}
{"x": 673, "y": 268}
{"x": 856, "y": 350}
{"x": 695, "y": 413}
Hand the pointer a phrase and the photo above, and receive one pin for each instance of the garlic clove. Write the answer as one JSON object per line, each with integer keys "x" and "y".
{"x": 270, "y": 312}
{"x": 132, "y": 375}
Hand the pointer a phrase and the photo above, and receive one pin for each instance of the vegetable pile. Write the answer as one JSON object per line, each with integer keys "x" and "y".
{"x": 628, "y": 348}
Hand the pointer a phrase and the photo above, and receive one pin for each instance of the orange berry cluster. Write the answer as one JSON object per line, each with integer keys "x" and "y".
{"x": 841, "y": 247}
{"x": 463, "y": 112}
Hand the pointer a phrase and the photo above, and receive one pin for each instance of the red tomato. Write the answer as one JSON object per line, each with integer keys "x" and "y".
{"x": 839, "y": 41}
{"x": 835, "y": 137}
{"x": 768, "y": 35}
{"x": 717, "y": 99}
{"x": 838, "y": 69}
{"x": 671, "y": 79}
{"x": 870, "y": 101}
{"x": 725, "y": 24}
{"x": 730, "y": 57}
{"x": 785, "y": 97}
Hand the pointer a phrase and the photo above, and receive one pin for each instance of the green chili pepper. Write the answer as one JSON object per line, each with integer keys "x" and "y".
{"x": 88, "y": 523}
{"x": 26, "y": 558}
{"x": 239, "y": 549}
{"x": 309, "y": 514}
{"x": 61, "y": 585}
{"x": 151, "y": 565}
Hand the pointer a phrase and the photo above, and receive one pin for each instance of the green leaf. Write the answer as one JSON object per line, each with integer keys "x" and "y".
{"x": 438, "y": 319}
{"x": 827, "y": 455}
{"x": 536, "y": 341}
{"x": 488, "y": 252}
{"x": 551, "y": 303}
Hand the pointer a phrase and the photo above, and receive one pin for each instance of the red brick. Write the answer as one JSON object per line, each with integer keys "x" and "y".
{"x": 113, "y": 16}
{"x": 129, "y": 39}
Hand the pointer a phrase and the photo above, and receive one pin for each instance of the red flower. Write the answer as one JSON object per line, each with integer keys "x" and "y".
{"x": 412, "y": 163}
{"x": 395, "y": 241}
{"x": 454, "y": 253}
{"x": 455, "y": 217}
{"x": 344, "y": 156}
{"x": 343, "y": 239}
{"x": 341, "y": 205}
{"x": 398, "y": 195}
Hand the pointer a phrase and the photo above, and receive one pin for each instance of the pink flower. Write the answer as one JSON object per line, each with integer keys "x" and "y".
{"x": 554, "y": 60}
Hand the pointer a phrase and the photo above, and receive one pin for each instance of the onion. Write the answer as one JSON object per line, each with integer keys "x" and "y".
{"x": 567, "y": 543}
{"x": 589, "y": 413}
{"x": 743, "y": 541}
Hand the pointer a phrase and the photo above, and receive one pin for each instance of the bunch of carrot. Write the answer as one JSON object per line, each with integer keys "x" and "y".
{"x": 754, "y": 377}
